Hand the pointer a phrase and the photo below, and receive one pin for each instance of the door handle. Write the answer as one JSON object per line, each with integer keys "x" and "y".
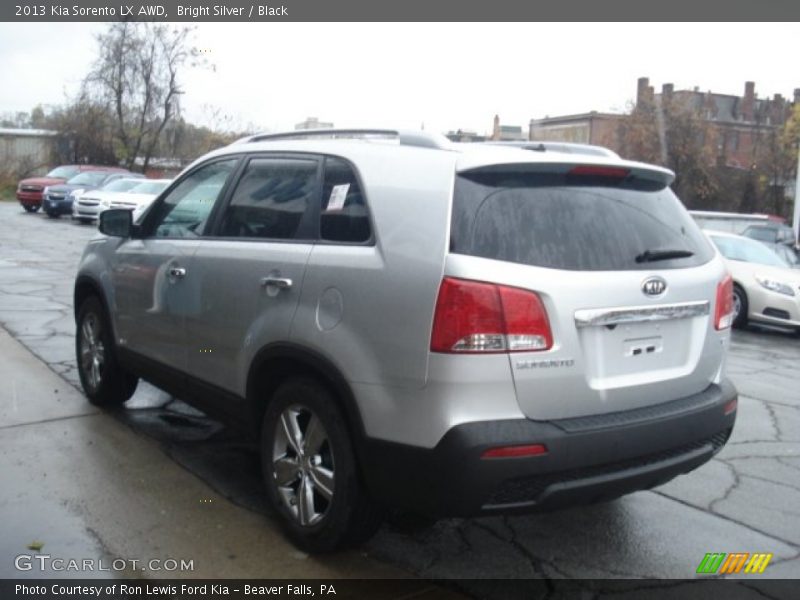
{"x": 177, "y": 272}
{"x": 282, "y": 283}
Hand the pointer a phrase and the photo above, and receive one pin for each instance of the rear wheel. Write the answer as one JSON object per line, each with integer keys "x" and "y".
{"x": 104, "y": 381}
{"x": 310, "y": 470}
{"x": 740, "y": 306}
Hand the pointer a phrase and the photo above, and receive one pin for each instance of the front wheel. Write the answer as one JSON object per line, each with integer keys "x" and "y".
{"x": 29, "y": 208}
{"x": 310, "y": 470}
{"x": 53, "y": 215}
{"x": 104, "y": 381}
{"x": 740, "y": 306}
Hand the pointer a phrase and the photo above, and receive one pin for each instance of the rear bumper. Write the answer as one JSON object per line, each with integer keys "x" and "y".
{"x": 589, "y": 459}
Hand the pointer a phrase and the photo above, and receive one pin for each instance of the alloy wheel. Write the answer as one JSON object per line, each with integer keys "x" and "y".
{"x": 92, "y": 351}
{"x": 303, "y": 465}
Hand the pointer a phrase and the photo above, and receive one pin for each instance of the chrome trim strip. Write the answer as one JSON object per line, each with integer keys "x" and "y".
{"x": 634, "y": 314}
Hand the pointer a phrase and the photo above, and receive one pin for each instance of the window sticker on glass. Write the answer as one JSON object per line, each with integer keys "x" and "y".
{"x": 338, "y": 196}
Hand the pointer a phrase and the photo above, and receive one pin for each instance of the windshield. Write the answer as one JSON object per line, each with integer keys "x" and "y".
{"x": 121, "y": 185}
{"x": 64, "y": 172}
{"x": 149, "y": 187}
{"x": 562, "y": 222}
{"x": 746, "y": 250}
{"x": 88, "y": 178}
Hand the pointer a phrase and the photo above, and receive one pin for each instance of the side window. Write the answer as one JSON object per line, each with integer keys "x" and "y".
{"x": 271, "y": 199}
{"x": 344, "y": 216}
{"x": 184, "y": 212}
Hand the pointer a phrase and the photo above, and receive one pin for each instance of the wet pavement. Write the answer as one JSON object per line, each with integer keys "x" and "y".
{"x": 747, "y": 499}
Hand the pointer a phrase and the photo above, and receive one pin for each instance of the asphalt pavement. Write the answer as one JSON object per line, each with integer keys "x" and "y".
{"x": 747, "y": 499}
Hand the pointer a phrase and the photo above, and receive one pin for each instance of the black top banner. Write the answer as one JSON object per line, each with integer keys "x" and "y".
{"x": 402, "y": 10}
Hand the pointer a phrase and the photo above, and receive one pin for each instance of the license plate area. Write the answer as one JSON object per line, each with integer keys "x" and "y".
{"x": 642, "y": 346}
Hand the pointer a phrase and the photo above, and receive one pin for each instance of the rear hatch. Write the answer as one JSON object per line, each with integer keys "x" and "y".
{"x": 628, "y": 281}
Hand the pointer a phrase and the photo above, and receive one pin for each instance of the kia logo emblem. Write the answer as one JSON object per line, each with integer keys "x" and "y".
{"x": 654, "y": 286}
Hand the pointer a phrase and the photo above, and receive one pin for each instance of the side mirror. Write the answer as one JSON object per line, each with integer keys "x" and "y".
{"x": 117, "y": 222}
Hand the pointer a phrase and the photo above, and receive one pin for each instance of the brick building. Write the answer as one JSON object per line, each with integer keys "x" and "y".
{"x": 593, "y": 127}
{"x": 738, "y": 120}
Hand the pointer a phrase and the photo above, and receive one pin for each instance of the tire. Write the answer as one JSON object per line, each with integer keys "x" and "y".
{"x": 318, "y": 472}
{"x": 740, "y": 301}
{"x": 29, "y": 208}
{"x": 104, "y": 381}
{"x": 53, "y": 215}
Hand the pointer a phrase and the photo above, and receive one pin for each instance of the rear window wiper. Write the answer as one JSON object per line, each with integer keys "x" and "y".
{"x": 655, "y": 255}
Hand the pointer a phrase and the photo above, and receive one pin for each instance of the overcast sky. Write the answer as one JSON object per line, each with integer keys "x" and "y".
{"x": 445, "y": 76}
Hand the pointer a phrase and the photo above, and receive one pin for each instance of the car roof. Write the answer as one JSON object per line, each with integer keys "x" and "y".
{"x": 356, "y": 144}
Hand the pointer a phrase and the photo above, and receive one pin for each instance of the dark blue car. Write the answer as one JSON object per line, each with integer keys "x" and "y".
{"x": 57, "y": 199}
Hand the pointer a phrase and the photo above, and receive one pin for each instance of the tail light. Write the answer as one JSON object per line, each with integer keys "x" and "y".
{"x": 599, "y": 171}
{"x": 515, "y": 451}
{"x": 723, "y": 313}
{"x": 477, "y": 317}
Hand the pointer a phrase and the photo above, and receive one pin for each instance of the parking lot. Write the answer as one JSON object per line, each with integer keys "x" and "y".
{"x": 747, "y": 499}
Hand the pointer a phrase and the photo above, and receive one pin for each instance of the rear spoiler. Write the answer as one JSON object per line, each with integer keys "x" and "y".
{"x": 629, "y": 173}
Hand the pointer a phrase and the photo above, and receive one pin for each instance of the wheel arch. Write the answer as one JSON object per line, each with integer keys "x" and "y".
{"x": 275, "y": 363}
{"x": 86, "y": 286}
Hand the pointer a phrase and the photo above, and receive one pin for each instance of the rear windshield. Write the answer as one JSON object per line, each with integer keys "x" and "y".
{"x": 566, "y": 222}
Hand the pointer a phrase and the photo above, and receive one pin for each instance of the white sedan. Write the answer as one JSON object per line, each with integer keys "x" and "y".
{"x": 140, "y": 197}
{"x": 765, "y": 288}
{"x": 89, "y": 205}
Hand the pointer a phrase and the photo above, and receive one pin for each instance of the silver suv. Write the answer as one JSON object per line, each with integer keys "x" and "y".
{"x": 410, "y": 324}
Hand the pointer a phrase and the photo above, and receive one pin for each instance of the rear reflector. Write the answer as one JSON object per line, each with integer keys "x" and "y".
{"x": 477, "y": 317}
{"x": 731, "y": 406}
{"x": 599, "y": 171}
{"x": 515, "y": 451}
{"x": 723, "y": 313}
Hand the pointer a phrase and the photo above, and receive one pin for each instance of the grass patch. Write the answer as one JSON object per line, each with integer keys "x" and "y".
{"x": 8, "y": 192}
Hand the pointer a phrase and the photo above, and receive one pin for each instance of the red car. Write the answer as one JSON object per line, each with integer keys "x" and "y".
{"x": 29, "y": 191}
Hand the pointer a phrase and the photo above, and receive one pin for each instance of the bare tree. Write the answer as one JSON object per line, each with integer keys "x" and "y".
{"x": 85, "y": 132}
{"x": 137, "y": 77}
{"x": 673, "y": 133}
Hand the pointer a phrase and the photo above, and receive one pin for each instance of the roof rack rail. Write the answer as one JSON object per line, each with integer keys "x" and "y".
{"x": 421, "y": 139}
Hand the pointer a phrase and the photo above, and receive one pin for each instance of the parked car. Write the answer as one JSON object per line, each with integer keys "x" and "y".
{"x": 140, "y": 197}
{"x": 57, "y": 200}
{"x": 789, "y": 254}
{"x": 452, "y": 330}
{"x": 733, "y": 222}
{"x": 93, "y": 202}
{"x": 29, "y": 191}
{"x": 765, "y": 288}
{"x": 772, "y": 233}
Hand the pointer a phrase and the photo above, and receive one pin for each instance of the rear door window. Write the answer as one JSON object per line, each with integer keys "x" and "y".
{"x": 562, "y": 222}
{"x": 272, "y": 200}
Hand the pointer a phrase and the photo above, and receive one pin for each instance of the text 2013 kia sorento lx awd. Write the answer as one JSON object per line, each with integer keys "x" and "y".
{"x": 409, "y": 323}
